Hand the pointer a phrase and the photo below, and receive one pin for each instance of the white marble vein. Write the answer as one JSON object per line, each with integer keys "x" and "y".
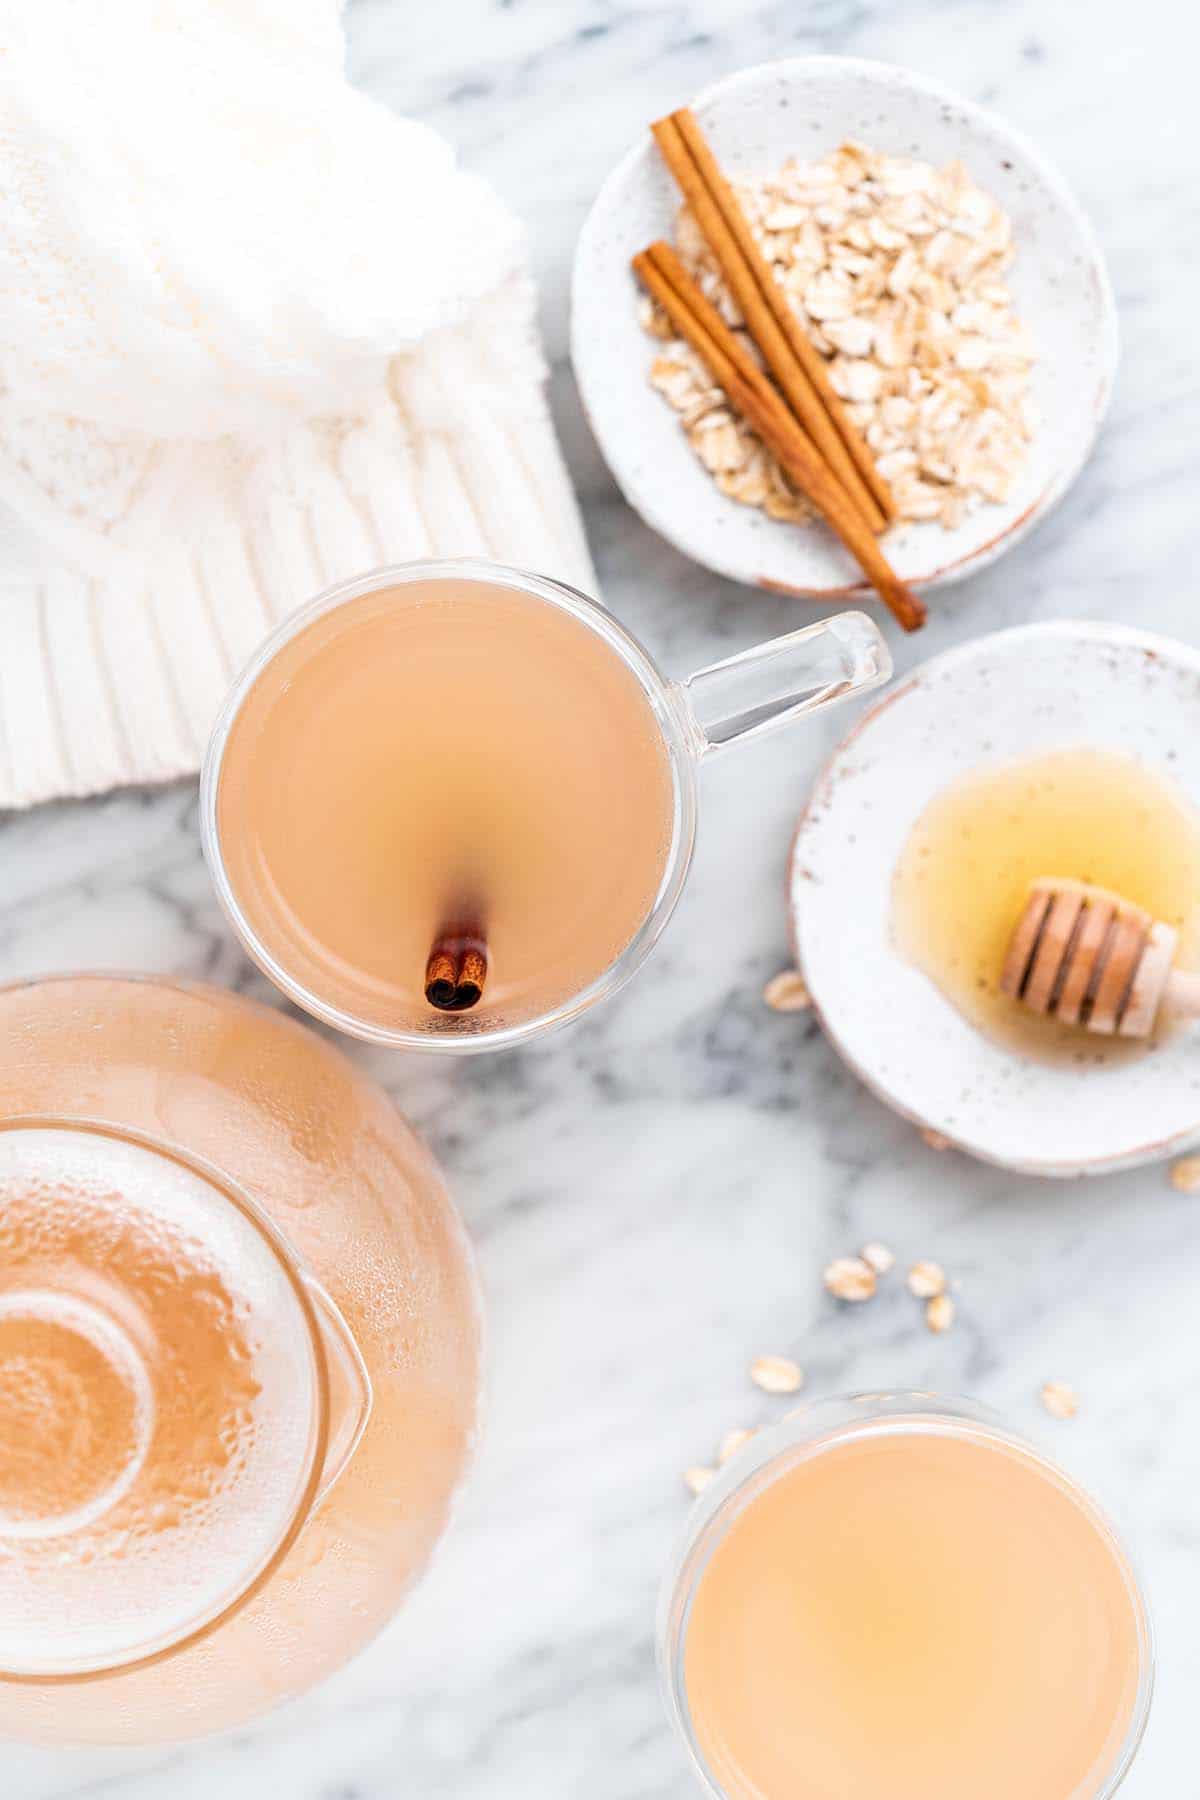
{"x": 654, "y": 1193}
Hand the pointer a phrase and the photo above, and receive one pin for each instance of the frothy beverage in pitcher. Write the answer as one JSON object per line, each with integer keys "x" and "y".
{"x": 239, "y": 1359}
{"x": 151, "y": 1424}
{"x": 916, "y": 1614}
{"x": 449, "y": 754}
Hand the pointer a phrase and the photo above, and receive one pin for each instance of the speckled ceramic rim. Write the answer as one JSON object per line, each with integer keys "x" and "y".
{"x": 771, "y": 1453}
{"x": 1024, "y": 150}
{"x": 1170, "y": 649}
{"x": 465, "y": 1039}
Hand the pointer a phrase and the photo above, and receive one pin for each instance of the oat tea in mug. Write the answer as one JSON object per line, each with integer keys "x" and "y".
{"x": 904, "y": 1602}
{"x": 444, "y": 762}
{"x": 450, "y": 805}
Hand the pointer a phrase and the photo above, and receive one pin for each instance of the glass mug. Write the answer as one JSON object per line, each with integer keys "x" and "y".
{"x": 239, "y": 1359}
{"x": 892, "y": 1593}
{"x": 424, "y": 718}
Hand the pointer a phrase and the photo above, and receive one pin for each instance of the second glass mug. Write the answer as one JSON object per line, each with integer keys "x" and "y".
{"x": 767, "y": 686}
{"x": 802, "y": 1441}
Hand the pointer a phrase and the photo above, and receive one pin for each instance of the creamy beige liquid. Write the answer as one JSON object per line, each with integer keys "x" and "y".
{"x": 913, "y": 1616}
{"x": 964, "y": 873}
{"x": 436, "y": 738}
{"x": 290, "y": 1121}
{"x": 156, "y": 1388}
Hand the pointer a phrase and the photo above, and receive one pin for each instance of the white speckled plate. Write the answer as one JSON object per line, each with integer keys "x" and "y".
{"x": 755, "y": 120}
{"x": 1013, "y": 694}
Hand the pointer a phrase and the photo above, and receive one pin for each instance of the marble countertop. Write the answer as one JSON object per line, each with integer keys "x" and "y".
{"x": 654, "y": 1193}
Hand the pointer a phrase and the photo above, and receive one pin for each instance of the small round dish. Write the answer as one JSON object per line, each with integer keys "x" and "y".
{"x": 1010, "y": 695}
{"x": 755, "y": 120}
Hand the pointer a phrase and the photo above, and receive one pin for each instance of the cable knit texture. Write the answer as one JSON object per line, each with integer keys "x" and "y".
{"x": 256, "y": 334}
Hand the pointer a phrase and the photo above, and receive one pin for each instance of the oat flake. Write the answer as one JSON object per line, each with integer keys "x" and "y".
{"x": 926, "y": 1280}
{"x": 877, "y": 1257}
{"x": 776, "y": 1374}
{"x": 1185, "y": 1174}
{"x": 731, "y": 1443}
{"x": 850, "y": 1278}
{"x": 787, "y": 992}
{"x": 1060, "y": 1399}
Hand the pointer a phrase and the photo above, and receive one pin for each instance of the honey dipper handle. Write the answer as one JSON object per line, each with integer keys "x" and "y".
{"x": 1182, "y": 993}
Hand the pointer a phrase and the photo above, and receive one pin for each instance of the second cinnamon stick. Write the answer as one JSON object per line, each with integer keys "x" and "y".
{"x": 752, "y": 395}
{"x": 807, "y": 360}
{"x": 767, "y": 313}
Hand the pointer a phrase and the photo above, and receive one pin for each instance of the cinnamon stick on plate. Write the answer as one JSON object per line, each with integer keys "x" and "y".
{"x": 752, "y": 394}
{"x": 795, "y": 363}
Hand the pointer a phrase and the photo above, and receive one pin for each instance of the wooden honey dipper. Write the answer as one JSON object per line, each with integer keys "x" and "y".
{"x": 1088, "y": 957}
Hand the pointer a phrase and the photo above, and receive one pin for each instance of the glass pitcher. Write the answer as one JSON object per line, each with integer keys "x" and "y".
{"x": 239, "y": 1359}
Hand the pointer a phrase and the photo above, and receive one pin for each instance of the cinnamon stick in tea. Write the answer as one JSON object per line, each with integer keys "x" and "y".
{"x": 792, "y": 360}
{"x": 457, "y": 969}
{"x": 751, "y": 394}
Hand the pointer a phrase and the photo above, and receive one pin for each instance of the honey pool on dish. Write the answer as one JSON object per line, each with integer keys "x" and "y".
{"x": 963, "y": 875}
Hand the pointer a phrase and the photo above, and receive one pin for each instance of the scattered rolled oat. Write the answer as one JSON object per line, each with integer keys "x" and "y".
{"x": 935, "y": 1139}
{"x": 776, "y": 1374}
{"x": 697, "y": 1479}
{"x": 1185, "y": 1174}
{"x": 1060, "y": 1399}
{"x": 939, "y": 1313}
{"x": 787, "y": 992}
{"x": 731, "y": 1443}
{"x": 850, "y": 1278}
{"x": 926, "y": 1280}
{"x": 896, "y": 270}
{"x": 877, "y": 1257}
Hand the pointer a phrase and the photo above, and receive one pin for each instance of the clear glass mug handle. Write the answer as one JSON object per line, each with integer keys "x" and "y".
{"x": 350, "y": 1393}
{"x": 773, "y": 683}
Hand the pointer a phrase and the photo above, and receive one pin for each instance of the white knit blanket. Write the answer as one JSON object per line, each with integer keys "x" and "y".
{"x": 256, "y": 334}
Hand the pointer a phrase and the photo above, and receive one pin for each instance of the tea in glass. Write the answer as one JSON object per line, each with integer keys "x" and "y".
{"x": 443, "y": 761}
{"x": 239, "y": 1359}
{"x": 920, "y": 1607}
